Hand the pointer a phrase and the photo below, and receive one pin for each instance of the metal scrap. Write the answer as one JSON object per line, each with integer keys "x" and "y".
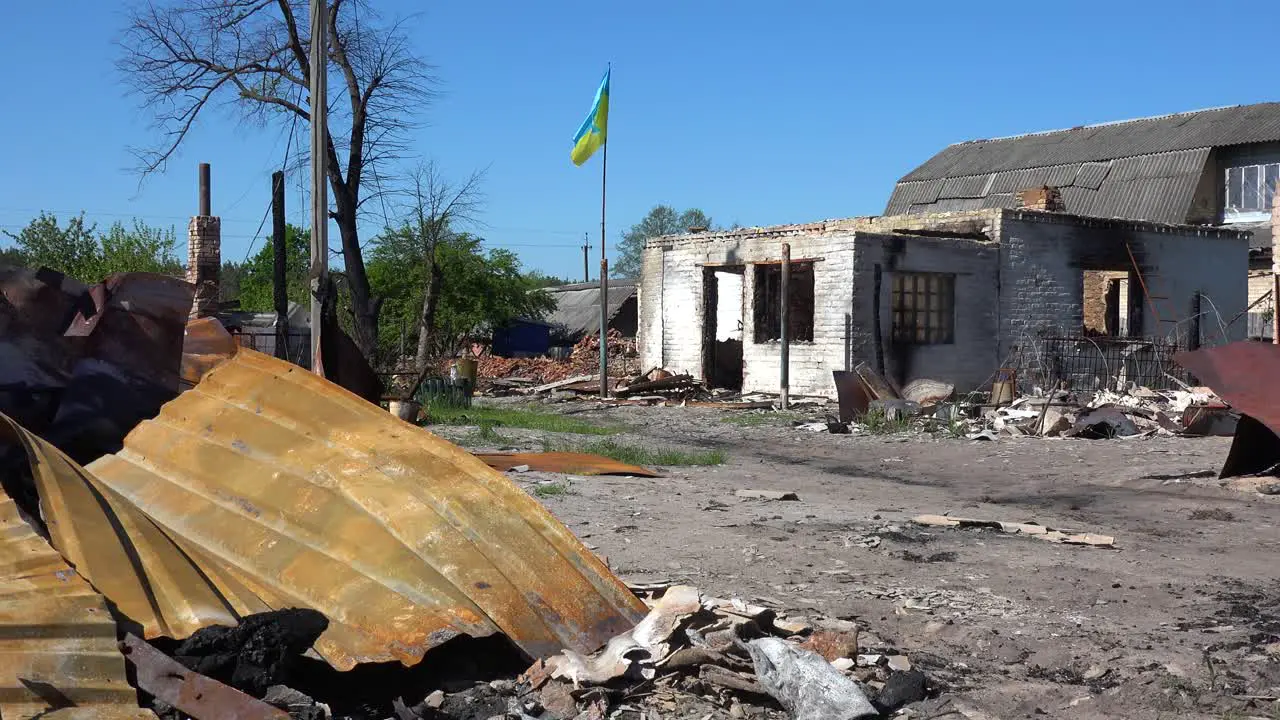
{"x": 82, "y": 365}
{"x": 206, "y": 344}
{"x": 564, "y": 462}
{"x": 194, "y": 694}
{"x": 266, "y": 487}
{"x": 57, "y": 637}
{"x": 806, "y": 684}
{"x": 1242, "y": 374}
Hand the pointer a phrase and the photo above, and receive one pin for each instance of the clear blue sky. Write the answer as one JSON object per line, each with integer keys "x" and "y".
{"x": 757, "y": 112}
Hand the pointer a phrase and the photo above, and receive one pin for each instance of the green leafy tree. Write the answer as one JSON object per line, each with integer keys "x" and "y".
{"x": 141, "y": 248}
{"x": 476, "y": 290}
{"x": 542, "y": 280}
{"x": 256, "y": 289}
{"x": 72, "y": 250}
{"x": 661, "y": 220}
{"x": 79, "y": 252}
{"x": 12, "y": 256}
{"x": 229, "y": 281}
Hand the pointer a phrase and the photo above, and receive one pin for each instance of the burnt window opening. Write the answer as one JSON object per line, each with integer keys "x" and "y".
{"x": 767, "y": 305}
{"x": 924, "y": 308}
{"x": 1105, "y": 303}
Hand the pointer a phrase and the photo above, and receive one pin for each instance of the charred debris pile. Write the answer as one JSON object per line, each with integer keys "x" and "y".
{"x": 193, "y": 529}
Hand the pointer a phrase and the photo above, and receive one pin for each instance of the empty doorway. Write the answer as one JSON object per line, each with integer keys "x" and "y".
{"x": 722, "y": 326}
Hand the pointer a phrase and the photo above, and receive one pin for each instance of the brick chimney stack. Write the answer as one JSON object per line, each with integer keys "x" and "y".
{"x": 204, "y": 253}
{"x": 1042, "y": 198}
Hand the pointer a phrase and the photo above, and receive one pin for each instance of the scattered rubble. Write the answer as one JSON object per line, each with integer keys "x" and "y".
{"x": 502, "y": 376}
{"x": 869, "y": 403}
{"x": 1040, "y": 532}
{"x": 729, "y": 652}
{"x": 767, "y": 495}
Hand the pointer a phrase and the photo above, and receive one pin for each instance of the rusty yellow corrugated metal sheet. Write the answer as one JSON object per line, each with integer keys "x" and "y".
{"x": 266, "y": 487}
{"x": 57, "y": 639}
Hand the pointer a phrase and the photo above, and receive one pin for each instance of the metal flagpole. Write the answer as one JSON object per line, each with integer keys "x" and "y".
{"x": 604, "y": 277}
{"x": 319, "y": 176}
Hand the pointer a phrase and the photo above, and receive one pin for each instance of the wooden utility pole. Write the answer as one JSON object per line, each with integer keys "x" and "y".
{"x": 784, "y": 327}
{"x": 280, "y": 291}
{"x": 586, "y": 259}
{"x": 319, "y": 173}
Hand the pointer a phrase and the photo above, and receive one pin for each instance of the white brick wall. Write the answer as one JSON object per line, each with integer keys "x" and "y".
{"x": 671, "y": 308}
{"x": 1028, "y": 282}
{"x": 810, "y": 363}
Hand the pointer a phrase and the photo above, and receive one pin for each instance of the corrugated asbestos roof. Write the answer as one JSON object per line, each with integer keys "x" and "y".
{"x": 1158, "y": 188}
{"x": 1170, "y": 147}
{"x": 57, "y": 638}
{"x": 1184, "y": 131}
{"x": 578, "y": 306}
{"x": 267, "y": 487}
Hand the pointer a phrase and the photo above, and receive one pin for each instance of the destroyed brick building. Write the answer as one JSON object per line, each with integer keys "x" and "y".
{"x": 949, "y": 296}
{"x": 1208, "y": 167}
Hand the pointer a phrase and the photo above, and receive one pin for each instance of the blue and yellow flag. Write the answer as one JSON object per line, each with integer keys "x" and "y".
{"x": 591, "y": 136}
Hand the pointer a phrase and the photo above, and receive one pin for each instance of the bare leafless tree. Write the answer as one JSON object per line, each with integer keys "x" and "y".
{"x": 182, "y": 56}
{"x": 437, "y": 207}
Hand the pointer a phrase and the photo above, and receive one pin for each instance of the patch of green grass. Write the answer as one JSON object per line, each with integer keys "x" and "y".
{"x": 877, "y": 422}
{"x": 758, "y": 419}
{"x": 486, "y": 435}
{"x": 637, "y": 455}
{"x": 953, "y": 428}
{"x": 552, "y": 489}
{"x": 528, "y": 418}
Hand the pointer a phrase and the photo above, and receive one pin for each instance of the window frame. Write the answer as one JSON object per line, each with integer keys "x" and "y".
{"x": 766, "y": 282}
{"x": 938, "y": 292}
{"x": 1244, "y": 194}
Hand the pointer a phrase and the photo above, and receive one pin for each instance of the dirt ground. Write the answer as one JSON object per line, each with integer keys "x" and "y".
{"x": 1180, "y": 619}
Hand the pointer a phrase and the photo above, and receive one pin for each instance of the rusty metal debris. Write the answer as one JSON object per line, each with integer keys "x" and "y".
{"x": 852, "y": 394}
{"x": 192, "y": 693}
{"x": 205, "y": 345}
{"x": 1243, "y": 374}
{"x": 57, "y": 638}
{"x": 283, "y": 491}
{"x": 83, "y": 365}
{"x": 564, "y": 462}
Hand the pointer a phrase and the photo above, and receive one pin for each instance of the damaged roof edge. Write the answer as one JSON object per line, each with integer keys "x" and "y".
{"x": 906, "y": 223}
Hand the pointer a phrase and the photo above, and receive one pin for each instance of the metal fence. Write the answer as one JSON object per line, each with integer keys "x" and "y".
{"x": 297, "y": 345}
{"x": 1087, "y": 363}
{"x": 1260, "y": 327}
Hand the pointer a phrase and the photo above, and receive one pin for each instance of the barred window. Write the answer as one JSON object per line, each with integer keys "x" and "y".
{"x": 924, "y": 308}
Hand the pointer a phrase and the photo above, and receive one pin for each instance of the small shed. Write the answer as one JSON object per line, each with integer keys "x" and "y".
{"x": 577, "y": 312}
{"x": 522, "y": 338}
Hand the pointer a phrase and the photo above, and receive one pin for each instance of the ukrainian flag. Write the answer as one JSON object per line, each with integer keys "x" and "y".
{"x": 591, "y": 136}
